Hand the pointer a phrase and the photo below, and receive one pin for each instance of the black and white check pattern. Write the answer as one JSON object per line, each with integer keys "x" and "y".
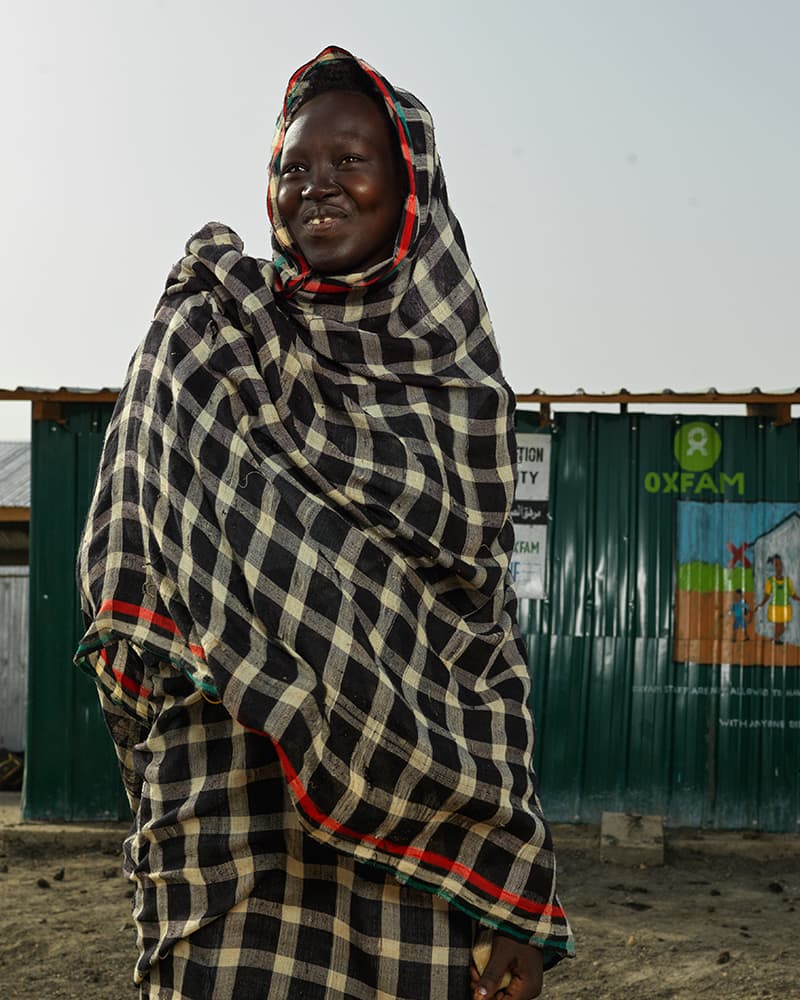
{"x": 303, "y": 506}
{"x": 268, "y": 911}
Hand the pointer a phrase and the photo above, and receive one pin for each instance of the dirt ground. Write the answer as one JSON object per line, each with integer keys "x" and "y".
{"x": 720, "y": 919}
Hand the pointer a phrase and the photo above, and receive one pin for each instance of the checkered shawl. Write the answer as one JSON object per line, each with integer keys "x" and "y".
{"x": 303, "y": 504}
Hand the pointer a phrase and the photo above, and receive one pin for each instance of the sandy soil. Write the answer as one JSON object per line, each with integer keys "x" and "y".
{"x": 721, "y": 919}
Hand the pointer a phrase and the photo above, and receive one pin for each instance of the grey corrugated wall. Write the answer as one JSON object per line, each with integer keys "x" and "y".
{"x": 13, "y": 655}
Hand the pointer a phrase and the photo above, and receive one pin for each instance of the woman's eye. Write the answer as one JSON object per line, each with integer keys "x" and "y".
{"x": 351, "y": 158}
{"x": 291, "y": 168}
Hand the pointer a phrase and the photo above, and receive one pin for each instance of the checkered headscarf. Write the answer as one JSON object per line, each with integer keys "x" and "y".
{"x": 303, "y": 503}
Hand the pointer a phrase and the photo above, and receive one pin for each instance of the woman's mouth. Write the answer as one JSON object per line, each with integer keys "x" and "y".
{"x": 321, "y": 217}
{"x": 321, "y": 224}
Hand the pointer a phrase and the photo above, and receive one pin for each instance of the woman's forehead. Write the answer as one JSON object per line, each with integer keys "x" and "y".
{"x": 339, "y": 114}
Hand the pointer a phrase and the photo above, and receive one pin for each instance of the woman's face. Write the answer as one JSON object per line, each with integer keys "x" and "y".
{"x": 339, "y": 190}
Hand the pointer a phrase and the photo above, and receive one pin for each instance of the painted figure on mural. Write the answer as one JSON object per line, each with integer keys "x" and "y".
{"x": 739, "y": 611}
{"x": 778, "y": 592}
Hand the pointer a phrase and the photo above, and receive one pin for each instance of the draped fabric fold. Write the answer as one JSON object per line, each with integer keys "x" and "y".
{"x": 304, "y": 506}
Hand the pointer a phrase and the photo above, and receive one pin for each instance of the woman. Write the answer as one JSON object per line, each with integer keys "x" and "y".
{"x": 295, "y": 572}
{"x": 779, "y": 592}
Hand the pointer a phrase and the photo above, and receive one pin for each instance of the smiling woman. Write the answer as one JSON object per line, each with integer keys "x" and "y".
{"x": 299, "y": 611}
{"x": 340, "y": 191}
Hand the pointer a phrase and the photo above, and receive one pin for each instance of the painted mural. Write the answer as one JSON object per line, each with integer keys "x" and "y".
{"x": 737, "y": 595}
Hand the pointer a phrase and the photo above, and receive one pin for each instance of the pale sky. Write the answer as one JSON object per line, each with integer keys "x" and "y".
{"x": 625, "y": 171}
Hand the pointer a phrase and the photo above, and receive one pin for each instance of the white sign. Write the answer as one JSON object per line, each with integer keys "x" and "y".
{"x": 529, "y": 515}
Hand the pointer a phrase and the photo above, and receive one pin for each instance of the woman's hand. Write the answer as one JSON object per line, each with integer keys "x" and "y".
{"x": 522, "y": 961}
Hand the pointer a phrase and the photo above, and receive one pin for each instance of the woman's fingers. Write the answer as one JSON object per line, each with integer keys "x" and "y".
{"x": 513, "y": 971}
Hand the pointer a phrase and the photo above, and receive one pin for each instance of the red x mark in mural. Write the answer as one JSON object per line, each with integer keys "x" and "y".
{"x": 737, "y": 555}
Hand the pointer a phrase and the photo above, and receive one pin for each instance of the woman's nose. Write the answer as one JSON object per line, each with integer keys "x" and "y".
{"x": 319, "y": 183}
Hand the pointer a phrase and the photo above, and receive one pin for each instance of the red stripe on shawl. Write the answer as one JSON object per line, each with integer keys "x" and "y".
{"x": 429, "y": 857}
{"x": 134, "y": 611}
{"x": 124, "y": 681}
{"x": 309, "y": 806}
{"x": 405, "y": 149}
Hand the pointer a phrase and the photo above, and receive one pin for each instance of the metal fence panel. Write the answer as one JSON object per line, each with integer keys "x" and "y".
{"x": 644, "y": 701}
{"x": 647, "y": 698}
{"x": 70, "y": 769}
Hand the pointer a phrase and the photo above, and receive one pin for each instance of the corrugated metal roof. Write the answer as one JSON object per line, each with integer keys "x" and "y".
{"x": 15, "y": 474}
{"x": 755, "y": 394}
{"x": 64, "y": 394}
{"x": 667, "y": 395}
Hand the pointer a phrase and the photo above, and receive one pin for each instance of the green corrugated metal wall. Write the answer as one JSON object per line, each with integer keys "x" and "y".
{"x": 620, "y": 725}
{"x": 70, "y": 768}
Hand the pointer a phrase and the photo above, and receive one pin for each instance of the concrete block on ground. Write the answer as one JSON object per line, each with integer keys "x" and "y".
{"x": 632, "y": 839}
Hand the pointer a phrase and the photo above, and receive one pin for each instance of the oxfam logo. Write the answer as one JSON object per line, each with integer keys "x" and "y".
{"x": 697, "y": 446}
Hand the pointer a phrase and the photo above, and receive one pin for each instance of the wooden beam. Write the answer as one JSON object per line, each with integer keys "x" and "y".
{"x": 779, "y": 413}
{"x": 61, "y": 395}
{"x": 15, "y": 515}
{"x": 46, "y": 410}
{"x": 665, "y": 398}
